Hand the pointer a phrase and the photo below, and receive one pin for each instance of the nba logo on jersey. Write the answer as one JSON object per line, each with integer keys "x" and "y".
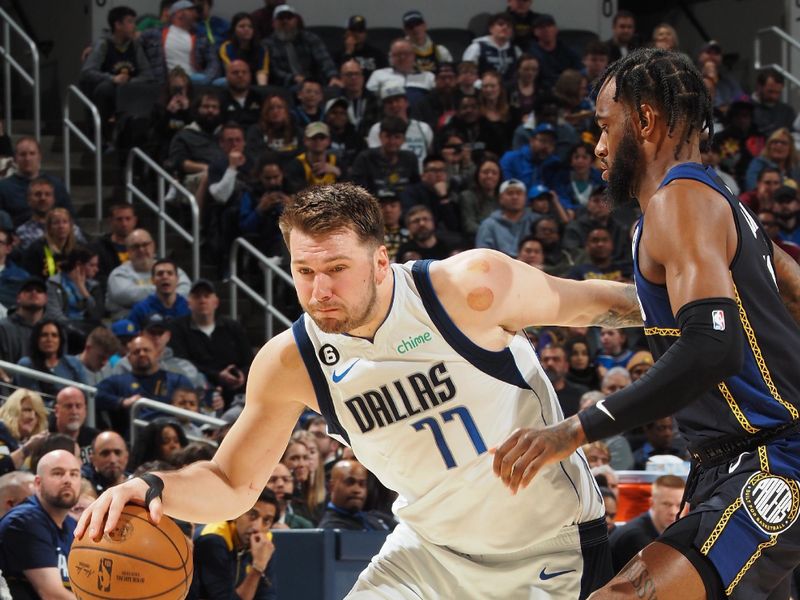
{"x": 718, "y": 319}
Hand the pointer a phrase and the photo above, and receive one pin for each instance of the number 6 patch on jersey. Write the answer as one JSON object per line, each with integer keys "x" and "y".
{"x": 773, "y": 502}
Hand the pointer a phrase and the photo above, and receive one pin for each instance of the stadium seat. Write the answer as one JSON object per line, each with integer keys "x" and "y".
{"x": 454, "y": 39}
{"x": 137, "y": 100}
{"x": 577, "y": 39}
{"x": 331, "y": 35}
{"x": 382, "y": 37}
{"x": 479, "y": 24}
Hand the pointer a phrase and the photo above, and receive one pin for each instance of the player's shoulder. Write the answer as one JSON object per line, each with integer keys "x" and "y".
{"x": 278, "y": 373}
{"x": 280, "y": 353}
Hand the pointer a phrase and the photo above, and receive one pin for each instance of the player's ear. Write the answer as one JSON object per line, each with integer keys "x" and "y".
{"x": 647, "y": 120}
{"x": 382, "y": 263}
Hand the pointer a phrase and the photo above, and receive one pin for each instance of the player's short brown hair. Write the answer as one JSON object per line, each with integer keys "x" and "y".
{"x": 321, "y": 210}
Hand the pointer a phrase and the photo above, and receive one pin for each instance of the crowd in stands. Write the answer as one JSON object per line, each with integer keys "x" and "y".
{"x": 489, "y": 147}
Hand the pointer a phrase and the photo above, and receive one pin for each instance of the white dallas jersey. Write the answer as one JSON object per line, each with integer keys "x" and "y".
{"x": 421, "y": 405}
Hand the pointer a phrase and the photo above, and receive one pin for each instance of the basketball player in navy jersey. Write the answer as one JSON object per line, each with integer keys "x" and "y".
{"x": 422, "y": 369}
{"x": 718, "y": 300}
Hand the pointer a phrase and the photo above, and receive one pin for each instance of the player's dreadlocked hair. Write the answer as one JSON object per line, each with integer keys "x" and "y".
{"x": 667, "y": 80}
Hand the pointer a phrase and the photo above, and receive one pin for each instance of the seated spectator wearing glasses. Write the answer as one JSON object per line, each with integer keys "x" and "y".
{"x": 403, "y": 72}
{"x": 234, "y": 558}
{"x": 427, "y": 55}
{"x": 108, "y": 461}
{"x": 348, "y": 493}
{"x": 177, "y": 44}
{"x": 295, "y": 53}
{"x": 12, "y": 276}
{"x": 357, "y": 48}
{"x": 14, "y": 188}
{"x": 132, "y": 281}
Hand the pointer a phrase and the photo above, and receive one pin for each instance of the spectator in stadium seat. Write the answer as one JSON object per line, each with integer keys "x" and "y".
{"x": 466, "y": 77}
{"x": 276, "y": 131}
{"x": 214, "y": 28}
{"x": 159, "y": 19}
{"x": 281, "y": 484}
{"x": 348, "y": 493}
{"x": 402, "y": 72}
{"x": 239, "y": 102}
{"x": 101, "y": 345}
{"x": 356, "y": 47}
{"x": 215, "y": 344}
{"x": 362, "y": 105}
{"x": 165, "y": 301}
{"x": 598, "y": 213}
{"x": 427, "y": 55}
{"x": 610, "y": 503}
{"x": 262, "y": 204}
{"x": 170, "y": 114}
{"x": 110, "y": 247}
{"x": 117, "y": 59}
{"x": 11, "y": 275}
{"x": 786, "y": 207}
{"x": 345, "y": 140}
{"x": 504, "y": 228}
{"x": 418, "y": 134}
{"x": 595, "y": 61}
{"x": 177, "y": 44}
{"x": 36, "y": 535}
{"x": 727, "y": 88}
{"x": 597, "y": 454}
{"x": 15, "y": 487}
{"x": 576, "y": 179}
{"x": 41, "y": 200}
{"x": 69, "y": 418}
{"x": 599, "y": 262}
{"x": 665, "y": 37}
{"x": 581, "y": 368}
{"x": 159, "y": 440}
{"x": 16, "y": 328}
{"x": 458, "y": 160}
{"x": 535, "y": 163}
{"x": 14, "y": 188}
{"x": 317, "y": 165}
{"x": 553, "y": 359}
{"x": 571, "y": 90}
{"x": 395, "y": 233}
{"x": 47, "y": 354}
{"x": 780, "y": 152}
{"x": 23, "y": 428}
{"x": 308, "y": 108}
{"x": 435, "y": 192}
{"x": 769, "y": 221}
{"x": 557, "y": 260}
{"x": 740, "y": 140}
{"x": 522, "y": 19}
{"x": 132, "y": 281}
{"x": 147, "y": 379}
{"x": 244, "y": 45}
{"x": 423, "y": 241}
{"x": 500, "y": 116}
{"x": 623, "y": 35}
{"x": 188, "y": 399}
{"x": 770, "y": 113}
{"x": 440, "y": 104}
{"x": 295, "y": 53}
{"x": 554, "y": 56}
{"x": 388, "y": 168}
{"x": 43, "y": 257}
{"x": 262, "y": 18}
{"x": 760, "y": 198}
{"x": 665, "y": 503}
{"x": 660, "y": 438}
{"x": 524, "y": 90}
{"x": 639, "y": 364}
{"x": 108, "y": 461}
{"x": 495, "y": 52}
{"x": 711, "y": 155}
{"x": 618, "y": 445}
{"x": 227, "y": 178}
{"x": 234, "y": 558}
{"x": 531, "y": 252}
{"x": 614, "y": 352}
{"x": 74, "y": 297}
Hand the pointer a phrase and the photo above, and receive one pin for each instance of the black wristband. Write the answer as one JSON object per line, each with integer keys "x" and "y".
{"x": 155, "y": 487}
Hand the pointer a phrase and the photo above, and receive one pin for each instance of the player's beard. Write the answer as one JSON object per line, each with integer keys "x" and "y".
{"x": 355, "y": 316}
{"x": 625, "y": 173}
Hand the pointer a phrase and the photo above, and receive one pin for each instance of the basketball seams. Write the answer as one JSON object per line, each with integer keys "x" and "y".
{"x": 162, "y": 532}
{"x": 151, "y": 597}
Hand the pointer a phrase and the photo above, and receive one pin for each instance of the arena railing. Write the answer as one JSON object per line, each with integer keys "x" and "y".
{"x": 95, "y": 147}
{"x": 162, "y": 179}
{"x": 143, "y": 403}
{"x": 271, "y": 268}
{"x": 787, "y": 43}
{"x": 32, "y": 80}
{"x": 88, "y": 390}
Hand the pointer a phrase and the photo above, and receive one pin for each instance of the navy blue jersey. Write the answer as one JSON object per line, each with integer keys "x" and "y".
{"x": 30, "y": 539}
{"x": 765, "y": 393}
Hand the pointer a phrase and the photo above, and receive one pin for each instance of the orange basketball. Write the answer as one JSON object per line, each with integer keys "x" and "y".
{"x": 135, "y": 561}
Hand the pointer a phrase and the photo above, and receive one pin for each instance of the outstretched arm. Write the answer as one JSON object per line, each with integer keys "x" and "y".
{"x": 787, "y": 272}
{"x": 227, "y": 486}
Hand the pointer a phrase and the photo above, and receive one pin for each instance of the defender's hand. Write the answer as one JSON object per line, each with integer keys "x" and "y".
{"x": 108, "y": 507}
{"x": 521, "y": 456}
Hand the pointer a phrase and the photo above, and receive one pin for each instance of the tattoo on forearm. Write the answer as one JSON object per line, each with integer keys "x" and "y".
{"x": 626, "y": 314}
{"x": 640, "y": 578}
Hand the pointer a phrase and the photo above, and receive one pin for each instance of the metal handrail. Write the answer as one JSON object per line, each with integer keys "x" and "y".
{"x": 169, "y": 409}
{"x": 33, "y": 81}
{"x": 95, "y": 146}
{"x": 88, "y": 390}
{"x": 163, "y": 218}
{"x": 787, "y": 41}
{"x": 272, "y": 268}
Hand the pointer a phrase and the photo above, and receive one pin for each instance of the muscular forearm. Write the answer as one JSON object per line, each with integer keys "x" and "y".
{"x": 617, "y": 304}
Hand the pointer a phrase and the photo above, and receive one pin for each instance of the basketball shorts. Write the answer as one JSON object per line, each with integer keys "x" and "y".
{"x": 410, "y": 568}
{"x": 743, "y": 538}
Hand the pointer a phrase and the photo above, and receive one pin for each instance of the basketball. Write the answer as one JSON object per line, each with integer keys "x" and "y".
{"x": 136, "y": 560}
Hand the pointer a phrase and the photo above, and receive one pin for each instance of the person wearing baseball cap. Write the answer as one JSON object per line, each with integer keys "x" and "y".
{"x": 504, "y": 228}
{"x": 419, "y": 135}
{"x": 357, "y": 48}
{"x": 16, "y": 328}
{"x": 345, "y": 140}
{"x": 427, "y": 54}
{"x": 315, "y": 166}
{"x": 728, "y": 86}
{"x": 554, "y": 56}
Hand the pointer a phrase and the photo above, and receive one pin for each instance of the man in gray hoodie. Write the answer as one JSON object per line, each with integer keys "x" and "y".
{"x": 504, "y": 228}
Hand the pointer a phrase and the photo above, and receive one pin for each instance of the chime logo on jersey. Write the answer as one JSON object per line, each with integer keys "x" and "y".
{"x": 771, "y": 501}
{"x": 718, "y": 320}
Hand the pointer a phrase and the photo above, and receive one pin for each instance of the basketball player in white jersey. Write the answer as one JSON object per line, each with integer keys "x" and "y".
{"x": 422, "y": 369}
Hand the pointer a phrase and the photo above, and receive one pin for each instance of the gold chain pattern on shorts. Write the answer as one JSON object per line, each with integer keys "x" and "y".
{"x": 723, "y": 521}
{"x": 769, "y": 543}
